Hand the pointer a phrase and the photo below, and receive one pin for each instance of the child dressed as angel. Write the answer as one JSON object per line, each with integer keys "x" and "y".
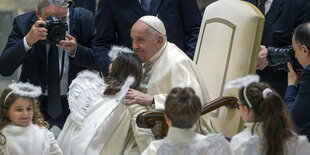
{"x": 100, "y": 122}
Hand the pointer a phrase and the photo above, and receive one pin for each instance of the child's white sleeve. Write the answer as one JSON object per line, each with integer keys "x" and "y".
{"x": 54, "y": 150}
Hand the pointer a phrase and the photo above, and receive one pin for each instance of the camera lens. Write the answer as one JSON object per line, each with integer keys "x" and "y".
{"x": 56, "y": 29}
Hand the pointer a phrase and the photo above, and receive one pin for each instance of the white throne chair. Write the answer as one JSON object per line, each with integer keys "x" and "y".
{"x": 227, "y": 48}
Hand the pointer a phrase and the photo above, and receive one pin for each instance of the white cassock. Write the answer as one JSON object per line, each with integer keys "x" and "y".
{"x": 188, "y": 142}
{"x": 31, "y": 139}
{"x": 246, "y": 143}
{"x": 170, "y": 67}
{"x": 173, "y": 68}
{"x": 99, "y": 124}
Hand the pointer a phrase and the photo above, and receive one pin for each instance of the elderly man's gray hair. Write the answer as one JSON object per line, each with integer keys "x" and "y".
{"x": 44, "y": 3}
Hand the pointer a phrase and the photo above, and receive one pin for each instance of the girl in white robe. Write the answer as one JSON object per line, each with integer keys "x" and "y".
{"x": 99, "y": 122}
{"x": 269, "y": 128}
{"x": 23, "y": 130}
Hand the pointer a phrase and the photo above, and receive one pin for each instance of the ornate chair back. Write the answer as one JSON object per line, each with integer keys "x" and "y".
{"x": 227, "y": 48}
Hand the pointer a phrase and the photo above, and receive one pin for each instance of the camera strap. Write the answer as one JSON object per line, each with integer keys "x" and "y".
{"x": 76, "y": 20}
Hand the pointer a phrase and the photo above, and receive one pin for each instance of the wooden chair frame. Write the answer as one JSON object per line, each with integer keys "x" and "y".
{"x": 150, "y": 119}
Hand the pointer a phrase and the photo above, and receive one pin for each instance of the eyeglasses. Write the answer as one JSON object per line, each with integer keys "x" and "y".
{"x": 238, "y": 105}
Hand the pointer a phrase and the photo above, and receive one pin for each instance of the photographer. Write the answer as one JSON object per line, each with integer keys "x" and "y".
{"x": 297, "y": 99}
{"x": 281, "y": 18}
{"x": 87, "y": 4}
{"x": 51, "y": 57}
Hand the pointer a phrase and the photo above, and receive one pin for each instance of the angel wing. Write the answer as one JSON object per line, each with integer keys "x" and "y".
{"x": 85, "y": 90}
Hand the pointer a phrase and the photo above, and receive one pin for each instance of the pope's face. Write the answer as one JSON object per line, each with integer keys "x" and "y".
{"x": 144, "y": 42}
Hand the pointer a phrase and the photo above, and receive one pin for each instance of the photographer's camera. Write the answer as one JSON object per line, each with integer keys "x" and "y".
{"x": 278, "y": 58}
{"x": 56, "y": 30}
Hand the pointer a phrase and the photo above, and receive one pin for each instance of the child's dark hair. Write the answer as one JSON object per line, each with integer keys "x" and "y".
{"x": 127, "y": 64}
{"x": 271, "y": 111}
{"x": 183, "y": 107}
{"x": 4, "y": 108}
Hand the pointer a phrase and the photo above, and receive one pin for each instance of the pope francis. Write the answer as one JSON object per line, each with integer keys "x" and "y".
{"x": 165, "y": 67}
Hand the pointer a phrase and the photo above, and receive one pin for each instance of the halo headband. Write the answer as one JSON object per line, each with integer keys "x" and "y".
{"x": 23, "y": 89}
{"x": 242, "y": 82}
{"x": 246, "y": 98}
{"x": 117, "y": 51}
{"x": 6, "y": 97}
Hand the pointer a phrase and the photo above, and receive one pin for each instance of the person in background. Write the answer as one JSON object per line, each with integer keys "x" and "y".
{"x": 281, "y": 18}
{"x": 297, "y": 97}
{"x": 87, "y": 4}
{"x": 202, "y": 4}
{"x": 52, "y": 65}
{"x": 114, "y": 19}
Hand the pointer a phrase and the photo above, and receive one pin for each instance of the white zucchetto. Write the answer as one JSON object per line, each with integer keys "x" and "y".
{"x": 155, "y": 23}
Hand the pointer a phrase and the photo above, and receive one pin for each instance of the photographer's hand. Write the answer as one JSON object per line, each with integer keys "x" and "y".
{"x": 36, "y": 33}
{"x": 69, "y": 44}
{"x": 291, "y": 75}
{"x": 262, "y": 61}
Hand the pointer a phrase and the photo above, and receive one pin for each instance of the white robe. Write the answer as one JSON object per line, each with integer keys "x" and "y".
{"x": 113, "y": 135}
{"x": 246, "y": 143}
{"x": 173, "y": 68}
{"x": 99, "y": 124}
{"x": 186, "y": 141}
{"x": 31, "y": 139}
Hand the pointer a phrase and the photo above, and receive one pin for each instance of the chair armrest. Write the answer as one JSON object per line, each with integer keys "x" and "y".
{"x": 149, "y": 119}
{"x": 229, "y": 101}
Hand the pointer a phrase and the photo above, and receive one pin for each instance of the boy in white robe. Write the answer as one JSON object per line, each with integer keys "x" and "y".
{"x": 182, "y": 111}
